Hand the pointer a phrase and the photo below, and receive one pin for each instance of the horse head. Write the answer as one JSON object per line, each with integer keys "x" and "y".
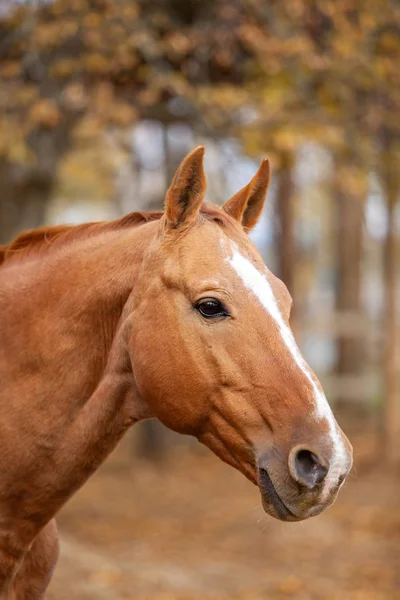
{"x": 213, "y": 354}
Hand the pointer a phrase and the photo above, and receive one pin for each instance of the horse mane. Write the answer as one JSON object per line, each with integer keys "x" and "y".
{"x": 35, "y": 242}
{"x": 38, "y": 241}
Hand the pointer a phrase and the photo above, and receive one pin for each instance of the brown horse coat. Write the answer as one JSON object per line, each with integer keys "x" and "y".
{"x": 170, "y": 315}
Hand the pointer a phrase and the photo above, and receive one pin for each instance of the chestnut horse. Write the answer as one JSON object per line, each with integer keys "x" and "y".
{"x": 170, "y": 315}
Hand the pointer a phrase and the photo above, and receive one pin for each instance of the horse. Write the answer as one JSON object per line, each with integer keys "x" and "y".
{"x": 171, "y": 315}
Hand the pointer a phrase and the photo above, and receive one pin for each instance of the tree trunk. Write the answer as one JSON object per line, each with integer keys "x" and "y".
{"x": 285, "y": 213}
{"x": 391, "y": 367}
{"x": 349, "y": 219}
{"x": 391, "y": 413}
{"x": 26, "y": 190}
{"x": 152, "y": 443}
{"x": 23, "y": 201}
{"x": 286, "y": 239}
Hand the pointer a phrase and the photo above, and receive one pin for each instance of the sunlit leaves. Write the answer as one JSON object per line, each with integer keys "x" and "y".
{"x": 312, "y": 67}
{"x": 44, "y": 113}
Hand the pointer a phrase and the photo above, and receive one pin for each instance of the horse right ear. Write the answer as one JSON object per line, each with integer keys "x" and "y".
{"x": 187, "y": 190}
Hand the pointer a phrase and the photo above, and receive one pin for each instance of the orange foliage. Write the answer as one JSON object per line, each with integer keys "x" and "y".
{"x": 320, "y": 65}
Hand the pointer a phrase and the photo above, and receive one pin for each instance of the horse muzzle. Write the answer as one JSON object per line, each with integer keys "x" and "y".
{"x": 303, "y": 487}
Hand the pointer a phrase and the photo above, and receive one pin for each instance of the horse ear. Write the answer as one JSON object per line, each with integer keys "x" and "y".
{"x": 187, "y": 190}
{"x": 247, "y": 204}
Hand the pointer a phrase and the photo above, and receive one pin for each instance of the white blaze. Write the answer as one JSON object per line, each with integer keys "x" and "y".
{"x": 259, "y": 285}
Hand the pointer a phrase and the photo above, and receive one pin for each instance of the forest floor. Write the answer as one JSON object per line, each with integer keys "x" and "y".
{"x": 191, "y": 528}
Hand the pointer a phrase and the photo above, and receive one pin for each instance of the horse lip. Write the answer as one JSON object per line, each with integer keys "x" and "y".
{"x": 268, "y": 490}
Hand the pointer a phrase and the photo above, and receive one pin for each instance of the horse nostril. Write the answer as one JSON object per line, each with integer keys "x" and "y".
{"x": 307, "y": 469}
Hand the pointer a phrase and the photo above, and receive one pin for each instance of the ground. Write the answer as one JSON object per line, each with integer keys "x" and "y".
{"x": 191, "y": 528}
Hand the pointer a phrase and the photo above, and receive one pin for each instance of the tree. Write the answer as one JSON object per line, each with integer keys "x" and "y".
{"x": 391, "y": 367}
{"x": 104, "y": 61}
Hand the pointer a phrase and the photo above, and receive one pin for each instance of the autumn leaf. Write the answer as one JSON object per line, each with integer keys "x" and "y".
{"x": 44, "y": 113}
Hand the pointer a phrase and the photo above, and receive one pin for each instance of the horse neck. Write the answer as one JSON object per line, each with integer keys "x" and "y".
{"x": 70, "y": 305}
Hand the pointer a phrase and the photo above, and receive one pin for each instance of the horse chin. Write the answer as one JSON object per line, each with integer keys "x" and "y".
{"x": 276, "y": 513}
{"x": 280, "y": 508}
{"x": 272, "y": 501}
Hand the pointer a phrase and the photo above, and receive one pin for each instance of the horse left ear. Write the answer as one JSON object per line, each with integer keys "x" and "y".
{"x": 187, "y": 190}
{"x": 247, "y": 204}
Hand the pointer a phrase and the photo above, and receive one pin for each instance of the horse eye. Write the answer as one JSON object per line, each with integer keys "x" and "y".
{"x": 211, "y": 307}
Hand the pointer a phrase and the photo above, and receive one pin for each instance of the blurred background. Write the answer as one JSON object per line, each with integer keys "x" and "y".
{"x": 99, "y": 102}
